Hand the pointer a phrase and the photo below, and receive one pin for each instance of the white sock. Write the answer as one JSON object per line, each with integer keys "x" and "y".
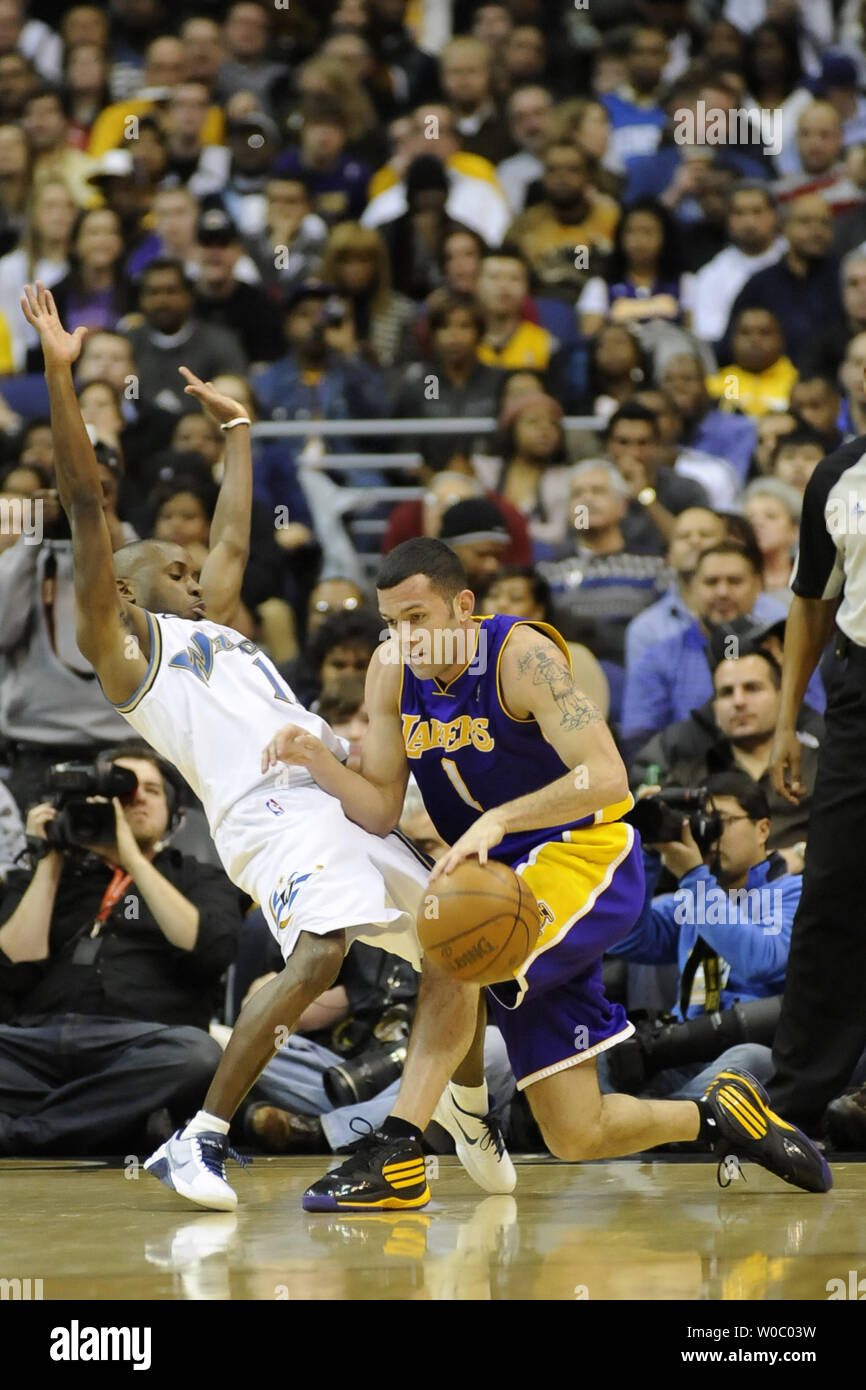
{"x": 203, "y": 1123}
{"x": 471, "y": 1098}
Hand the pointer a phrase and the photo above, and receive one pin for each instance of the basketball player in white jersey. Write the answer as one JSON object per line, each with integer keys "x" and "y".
{"x": 208, "y": 700}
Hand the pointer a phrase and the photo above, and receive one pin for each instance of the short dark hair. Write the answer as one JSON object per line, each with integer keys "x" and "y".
{"x": 195, "y": 483}
{"x": 797, "y": 439}
{"x": 428, "y": 556}
{"x": 351, "y": 627}
{"x": 343, "y": 701}
{"x": 809, "y": 378}
{"x": 744, "y": 789}
{"x": 172, "y": 782}
{"x": 161, "y": 263}
{"x": 538, "y": 586}
{"x": 508, "y": 251}
{"x": 46, "y": 89}
{"x": 752, "y": 186}
{"x": 741, "y": 532}
{"x": 728, "y": 548}
{"x": 443, "y": 303}
{"x": 751, "y": 648}
{"x": 632, "y": 410}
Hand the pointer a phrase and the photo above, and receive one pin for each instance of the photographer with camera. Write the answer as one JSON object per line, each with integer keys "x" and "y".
{"x": 727, "y": 926}
{"x": 111, "y": 953}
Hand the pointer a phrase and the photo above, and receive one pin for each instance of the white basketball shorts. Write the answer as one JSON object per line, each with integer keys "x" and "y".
{"x": 312, "y": 869}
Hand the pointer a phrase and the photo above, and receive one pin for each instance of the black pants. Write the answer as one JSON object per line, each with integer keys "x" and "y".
{"x": 80, "y": 1084}
{"x": 822, "y": 1030}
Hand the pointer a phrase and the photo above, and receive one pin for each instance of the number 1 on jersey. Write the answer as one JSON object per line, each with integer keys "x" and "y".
{"x": 458, "y": 784}
{"x": 278, "y": 694}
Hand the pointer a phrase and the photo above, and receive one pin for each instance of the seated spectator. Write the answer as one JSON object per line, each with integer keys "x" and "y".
{"x": 753, "y": 241}
{"x": 164, "y": 66}
{"x": 334, "y": 79}
{"x": 852, "y": 376}
{"x": 15, "y": 180}
{"x": 796, "y": 456}
{"x": 466, "y": 66}
{"x": 222, "y": 299}
{"x": 672, "y": 677}
{"x": 337, "y": 182}
{"x": 463, "y": 385}
{"x": 422, "y": 518}
{"x": 529, "y": 110}
{"x": 774, "y": 508}
{"x": 475, "y": 530}
{"x": 343, "y": 708}
{"x": 95, "y": 294}
{"x": 355, "y": 262}
{"x": 510, "y": 340}
{"x": 817, "y": 401}
{"x": 46, "y": 122}
{"x": 819, "y": 144}
{"x": 532, "y": 474}
{"x": 85, "y": 81}
{"x": 322, "y": 376}
{"x": 473, "y": 197}
{"x": 771, "y": 426}
{"x": 170, "y": 336}
{"x": 43, "y": 254}
{"x": 249, "y": 65}
{"x": 694, "y": 530}
{"x": 190, "y": 160}
{"x": 599, "y": 580}
{"x": 331, "y": 596}
{"x": 702, "y": 426}
{"x": 825, "y": 350}
{"x": 462, "y": 253}
{"x": 731, "y": 946}
{"x": 715, "y": 475}
{"x": 802, "y": 287}
{"x": 174, "y": 214}
{"x": 570, "y": 216}
{"x": 735, "y": 730}
{"x": 598, "y": 376}
{"x": 334, "y": 653}
{"x": 761, "y": 376}
{"x": 523, "y": 592}
{"x": 131, "y": 992}
{"x": 643, "y": 279}
{"x": 287, "y": 247}
{"x": 657, "y": 494}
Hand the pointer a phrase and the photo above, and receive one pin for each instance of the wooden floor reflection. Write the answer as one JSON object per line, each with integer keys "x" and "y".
{"x": 625, "y": 1230}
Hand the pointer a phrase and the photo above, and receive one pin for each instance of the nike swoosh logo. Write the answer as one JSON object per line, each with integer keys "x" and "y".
{"x": 459, "y": 1125}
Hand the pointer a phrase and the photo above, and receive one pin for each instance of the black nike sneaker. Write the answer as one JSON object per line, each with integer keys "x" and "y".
{"x": 748, "y": 1128}
{"x": 379, "y": 1174}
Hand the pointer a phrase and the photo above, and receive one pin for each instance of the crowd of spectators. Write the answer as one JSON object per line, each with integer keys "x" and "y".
{"x": 363, "y": 211}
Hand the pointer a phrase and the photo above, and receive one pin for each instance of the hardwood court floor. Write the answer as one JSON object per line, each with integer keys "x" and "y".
{"x": 624, "y": 1230}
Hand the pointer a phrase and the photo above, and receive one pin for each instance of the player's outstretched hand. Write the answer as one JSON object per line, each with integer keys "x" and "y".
{"x": 489, "y": 830}
{"x": 294, "y": 745}
{"x": 40, "y": 311}
{"x": 220, "y": 408}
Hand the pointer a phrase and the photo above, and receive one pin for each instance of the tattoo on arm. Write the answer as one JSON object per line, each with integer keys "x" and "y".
{"x": 576, "y": 710}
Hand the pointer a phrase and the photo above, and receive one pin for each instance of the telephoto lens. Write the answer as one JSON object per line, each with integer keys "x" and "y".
{"x": 365, "y": 1076}
{"x": 634, "y": 1062}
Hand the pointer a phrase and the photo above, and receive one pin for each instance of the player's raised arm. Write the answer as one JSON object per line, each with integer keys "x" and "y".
{"x": 104, "y": 620}
{"x": 536, "y": 680}
{"x": 373, "y": 797}
{"x": 223, "y": 570}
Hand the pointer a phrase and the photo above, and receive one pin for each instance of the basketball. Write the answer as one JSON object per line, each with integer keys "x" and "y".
{"x": 479, "y": 923}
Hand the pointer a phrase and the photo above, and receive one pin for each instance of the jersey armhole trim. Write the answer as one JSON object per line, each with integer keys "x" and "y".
{"x": 152, "y": 667}
{"x": 549, "y": 631}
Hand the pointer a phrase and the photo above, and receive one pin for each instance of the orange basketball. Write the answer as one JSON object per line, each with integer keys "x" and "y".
{"x": 479, "y": 923}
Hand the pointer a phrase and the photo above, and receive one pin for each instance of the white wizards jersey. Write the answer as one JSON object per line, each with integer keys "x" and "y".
{"x": 209, "y": 703}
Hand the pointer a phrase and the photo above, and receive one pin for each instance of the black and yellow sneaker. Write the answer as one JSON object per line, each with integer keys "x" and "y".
{"x": 748, "y": 1128}
{"x": 380, "y": 1174}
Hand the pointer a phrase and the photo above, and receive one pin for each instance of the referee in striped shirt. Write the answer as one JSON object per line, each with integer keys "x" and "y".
{"x": 822, "y": 1030}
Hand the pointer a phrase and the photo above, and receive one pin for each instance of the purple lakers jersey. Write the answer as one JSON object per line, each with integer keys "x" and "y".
{"x": 468, "y": 754}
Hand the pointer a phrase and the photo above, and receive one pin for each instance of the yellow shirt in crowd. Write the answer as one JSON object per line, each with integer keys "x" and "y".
{"x": 753, "y": 393}
{"x": 528, "y": 348}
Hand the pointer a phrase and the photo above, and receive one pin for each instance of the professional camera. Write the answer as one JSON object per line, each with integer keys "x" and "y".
{"x": 79, "y": 821}
{"x": 656, "y": 1046}
{"x": 376, "y": 1067}
{"x": 658, "y": 819}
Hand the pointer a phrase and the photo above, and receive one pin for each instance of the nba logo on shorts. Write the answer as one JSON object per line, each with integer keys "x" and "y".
{"x": 274, "y": 807}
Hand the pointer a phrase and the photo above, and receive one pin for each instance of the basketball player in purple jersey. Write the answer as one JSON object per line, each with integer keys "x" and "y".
{"x": 515, "y": 763}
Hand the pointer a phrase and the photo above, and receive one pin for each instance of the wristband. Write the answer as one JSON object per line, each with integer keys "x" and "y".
{"x": 238, "y": 420}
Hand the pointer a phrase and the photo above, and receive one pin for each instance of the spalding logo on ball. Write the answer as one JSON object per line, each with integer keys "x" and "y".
{"x": 486, "y": 925}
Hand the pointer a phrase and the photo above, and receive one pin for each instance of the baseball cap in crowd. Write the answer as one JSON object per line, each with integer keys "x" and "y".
{"x": 307, "y": 289}
{"x": 114, "y": 164}
{"x": 474, "y": 520}
{"x": 837, "y": 70}
{"x": 216, "y": 228}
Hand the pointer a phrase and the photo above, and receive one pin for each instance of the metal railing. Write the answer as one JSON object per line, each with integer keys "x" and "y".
{"x": 484, "y": 424}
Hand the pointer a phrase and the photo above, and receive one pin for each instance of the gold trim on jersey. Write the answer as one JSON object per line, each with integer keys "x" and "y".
{"x": 549, "y": 631}
{"x": 152, "y": 667}
{"x": 443, "y": 689}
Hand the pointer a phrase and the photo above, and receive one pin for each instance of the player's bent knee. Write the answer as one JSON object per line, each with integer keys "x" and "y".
{"x": 318, "y": 958}
{"x": 573, "y": 1145}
